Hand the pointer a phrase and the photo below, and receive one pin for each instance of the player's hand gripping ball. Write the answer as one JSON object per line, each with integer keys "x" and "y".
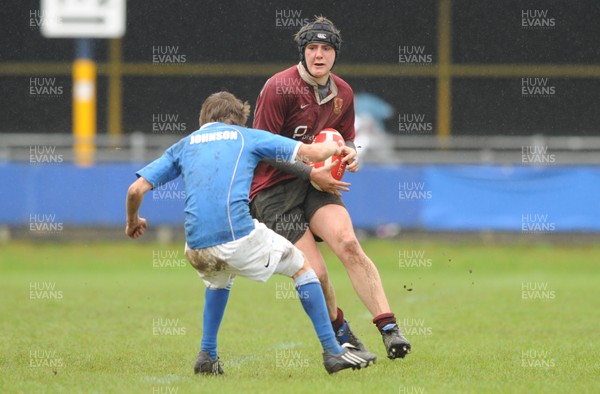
{"x": 337, "y": 171}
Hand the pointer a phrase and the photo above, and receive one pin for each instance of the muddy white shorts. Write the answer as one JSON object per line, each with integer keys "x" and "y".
{"x": 256, "y": 256}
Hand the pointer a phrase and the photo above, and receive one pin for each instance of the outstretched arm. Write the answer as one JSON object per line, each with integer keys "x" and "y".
{"x": 136, "y": 226}
{"x": 320, "y": 152}
{"x": 301, "y": 170}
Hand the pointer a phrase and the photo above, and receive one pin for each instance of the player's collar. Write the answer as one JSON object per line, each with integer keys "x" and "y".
{"x": 207, "y": 124}
{"x": 310, "y": 80}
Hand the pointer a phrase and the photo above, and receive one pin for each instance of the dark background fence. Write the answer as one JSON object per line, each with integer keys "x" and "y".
{"x": 496, "y": 50}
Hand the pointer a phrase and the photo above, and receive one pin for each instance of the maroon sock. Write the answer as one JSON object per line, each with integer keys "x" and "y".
{"x": 339, "y": 320}
{"x": 383, "y": 320}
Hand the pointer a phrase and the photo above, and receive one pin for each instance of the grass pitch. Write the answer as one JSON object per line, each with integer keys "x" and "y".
{"x": 126, "y": 318}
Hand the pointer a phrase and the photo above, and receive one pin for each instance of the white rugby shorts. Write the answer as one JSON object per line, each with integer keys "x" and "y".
{"x": 256, "y": 256}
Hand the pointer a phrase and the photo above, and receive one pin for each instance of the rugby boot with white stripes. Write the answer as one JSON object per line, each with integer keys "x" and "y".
{"x": 351, "y": 357}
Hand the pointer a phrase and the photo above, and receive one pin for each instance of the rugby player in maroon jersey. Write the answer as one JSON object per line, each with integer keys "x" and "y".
{"x": 298, "y": 103}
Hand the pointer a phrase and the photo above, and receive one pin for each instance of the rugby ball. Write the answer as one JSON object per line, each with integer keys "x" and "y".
{"x": 337, "y": 172}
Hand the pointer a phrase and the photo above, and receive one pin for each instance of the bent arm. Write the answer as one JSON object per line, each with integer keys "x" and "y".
{"x": 319, "y": 152}
{"x": 136, "y": 226}
{"x": 135, "y": 195}
{"x": 300, "y": 169}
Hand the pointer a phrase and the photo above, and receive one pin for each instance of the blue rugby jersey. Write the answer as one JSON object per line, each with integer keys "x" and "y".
{"x": 217, "y": 164}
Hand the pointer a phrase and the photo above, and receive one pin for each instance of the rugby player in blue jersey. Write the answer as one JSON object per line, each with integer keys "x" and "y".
{"x": 217, "y": 164}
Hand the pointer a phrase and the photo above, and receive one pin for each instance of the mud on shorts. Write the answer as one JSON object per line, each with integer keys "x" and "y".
{"x": 288, "y": 207}
{"x": 256, "y": 256}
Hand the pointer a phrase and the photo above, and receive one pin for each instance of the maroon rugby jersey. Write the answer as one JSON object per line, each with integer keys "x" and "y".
{"x": 289, "y": 105}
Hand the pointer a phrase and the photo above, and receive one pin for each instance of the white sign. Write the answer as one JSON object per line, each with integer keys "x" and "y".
{"x": 83, "y": 18}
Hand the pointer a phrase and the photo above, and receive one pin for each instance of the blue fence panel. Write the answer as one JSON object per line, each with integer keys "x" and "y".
{"x": 80, "y": 196}
{"x": 443, "y": 197}
{"x": 512, "y": 198}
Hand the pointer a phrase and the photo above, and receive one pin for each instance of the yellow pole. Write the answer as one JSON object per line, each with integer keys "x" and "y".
{"x": 84, "y": 111}
{"x": 444, "y": 90}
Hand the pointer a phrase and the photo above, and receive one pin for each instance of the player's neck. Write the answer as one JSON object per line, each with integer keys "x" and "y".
{"x": 320, "y": 80}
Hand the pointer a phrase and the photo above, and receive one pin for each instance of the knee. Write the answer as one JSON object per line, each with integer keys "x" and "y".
{"x": 348, "y": 245}
{"x": 320, "y": 271}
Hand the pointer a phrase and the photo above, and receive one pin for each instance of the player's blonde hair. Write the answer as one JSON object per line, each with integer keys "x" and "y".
{"x": 224, "y": 107}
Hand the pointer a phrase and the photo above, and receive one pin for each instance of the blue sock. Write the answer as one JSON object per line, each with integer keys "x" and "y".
{"x": 215, "y": 302}
{"x": 313, "y": 302}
